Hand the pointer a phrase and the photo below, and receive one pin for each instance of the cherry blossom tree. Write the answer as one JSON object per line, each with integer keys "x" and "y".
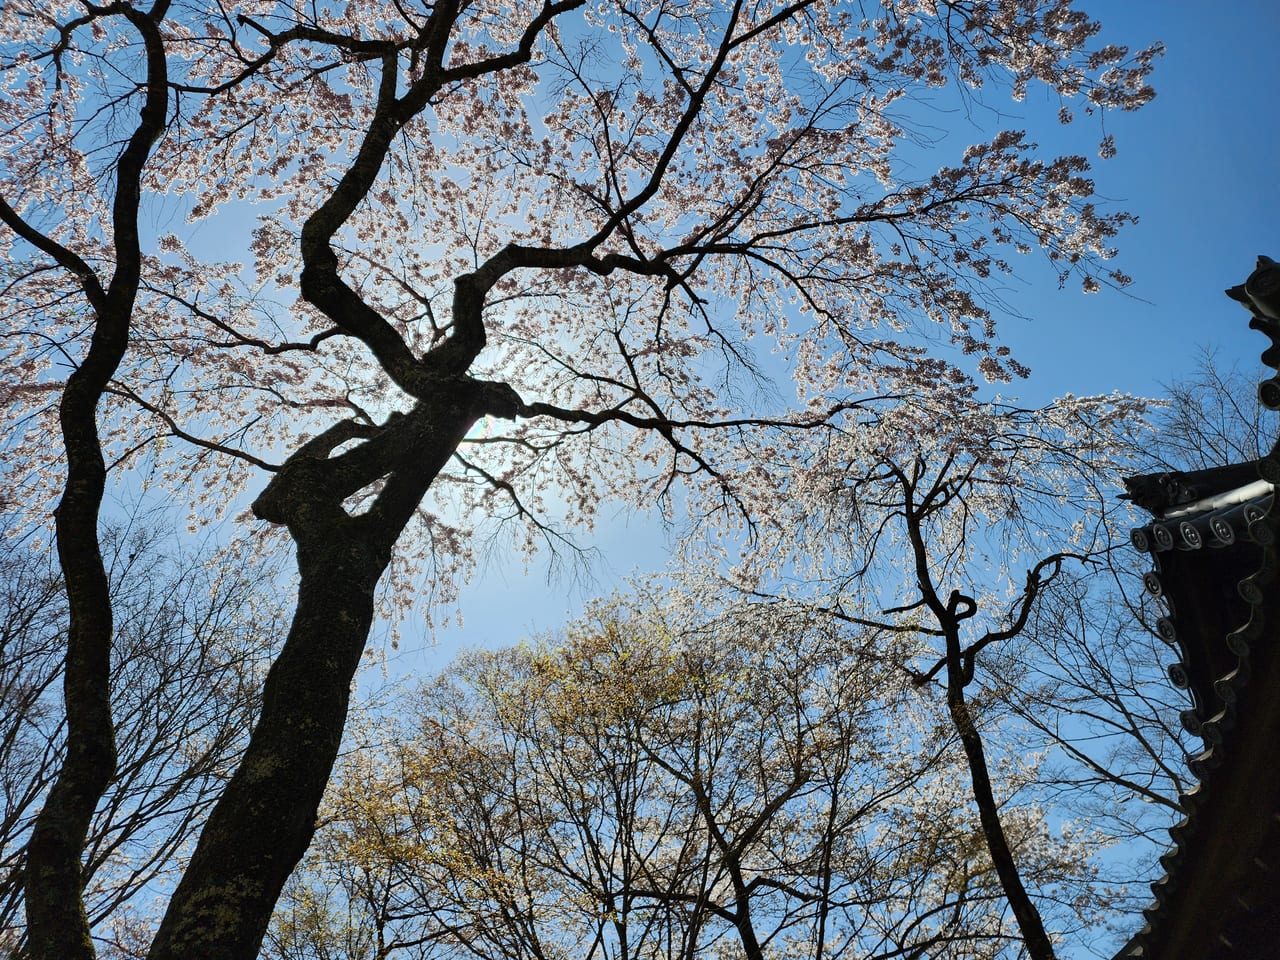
{"x": 1089, "y": 673}
{"x": 495, "y": 256}
{"x": 956, "y": 535}
{"x": 999, "y": 538}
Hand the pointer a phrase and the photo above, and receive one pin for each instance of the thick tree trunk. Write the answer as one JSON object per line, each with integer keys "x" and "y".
{"x": 57, "y": 927}
{"x": 262, "y": 825}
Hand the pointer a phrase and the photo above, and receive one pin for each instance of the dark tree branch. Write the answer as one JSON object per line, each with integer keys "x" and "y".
{"x": 57, "y": 925}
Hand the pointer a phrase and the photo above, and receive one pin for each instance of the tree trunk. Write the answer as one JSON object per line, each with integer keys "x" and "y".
{"x": 56, "y": 921}
{"x": 1033, "y": 934}
{"x": 263, "y": 823}
{"x": 57, "y": 926}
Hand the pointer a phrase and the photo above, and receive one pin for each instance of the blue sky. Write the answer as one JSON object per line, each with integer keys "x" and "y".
{"x": 1198, "y": 166}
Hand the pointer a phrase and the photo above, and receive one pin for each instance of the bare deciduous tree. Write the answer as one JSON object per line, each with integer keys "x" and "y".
{"x": 189, "y": 650}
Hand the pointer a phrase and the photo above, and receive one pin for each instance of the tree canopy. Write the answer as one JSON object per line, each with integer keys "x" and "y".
{"x": 501, "y": 266}
{"x": 679, "y": 775}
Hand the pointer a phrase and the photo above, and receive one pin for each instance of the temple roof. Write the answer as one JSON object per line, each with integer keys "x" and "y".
{"x": 1213, "y": 543}
{"x": 1216, "y": 573}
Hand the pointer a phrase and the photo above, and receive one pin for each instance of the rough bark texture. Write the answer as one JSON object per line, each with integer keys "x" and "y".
{"x": 56, "y": 920}
{"x": 264, "y": 821}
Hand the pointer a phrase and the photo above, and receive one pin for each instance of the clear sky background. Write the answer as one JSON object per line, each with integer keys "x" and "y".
{"x": 1200, "y": 166}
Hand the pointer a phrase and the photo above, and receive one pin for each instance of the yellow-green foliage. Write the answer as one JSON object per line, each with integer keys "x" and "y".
{"x": 668, "y": 776}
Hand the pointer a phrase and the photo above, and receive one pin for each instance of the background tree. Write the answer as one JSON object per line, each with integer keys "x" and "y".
{"x": 576, "y": 224}
{"x": 681, "y": 775}
{"x": 1007, "y": 529}
{"x": 1090, "y": 673}
{"x": 954, "y": 536}
{"x": 190, "y": 645}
